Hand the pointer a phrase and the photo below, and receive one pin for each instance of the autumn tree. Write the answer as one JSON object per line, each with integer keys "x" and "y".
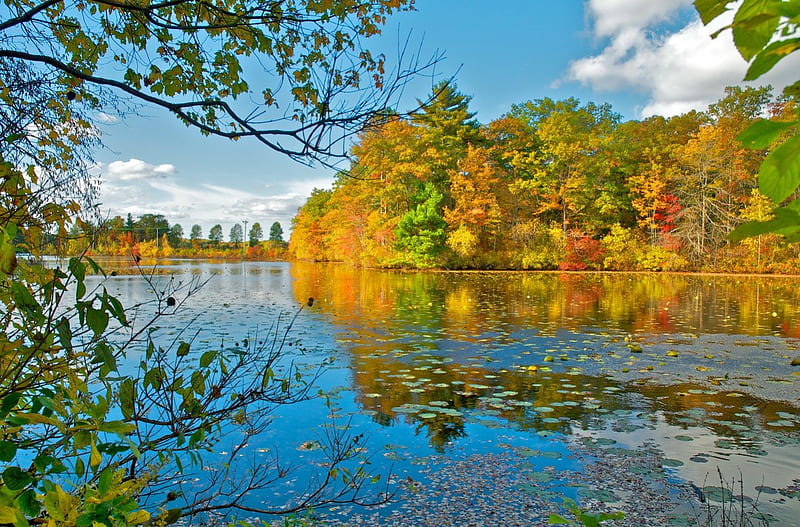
{"x": 308, "y": 237}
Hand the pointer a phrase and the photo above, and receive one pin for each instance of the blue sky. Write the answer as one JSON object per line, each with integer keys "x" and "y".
{"x": 644, "y": 57}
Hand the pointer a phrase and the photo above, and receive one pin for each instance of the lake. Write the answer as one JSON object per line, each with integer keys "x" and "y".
{"x": 566, "y": 371}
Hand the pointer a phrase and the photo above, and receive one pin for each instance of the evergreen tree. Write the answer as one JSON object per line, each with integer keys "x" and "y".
{"x": 276, "y": 233}
{"x": 197, "y": 233}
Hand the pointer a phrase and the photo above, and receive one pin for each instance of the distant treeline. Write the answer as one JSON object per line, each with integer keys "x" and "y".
{"x": 151, "y": 235}
{"x": 550, "y": 185}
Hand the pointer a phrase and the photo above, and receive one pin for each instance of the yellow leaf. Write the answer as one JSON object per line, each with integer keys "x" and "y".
{"x": 95, "y": 457}
{"x": 7, "y": 514}
{"x": 137, "y": 517}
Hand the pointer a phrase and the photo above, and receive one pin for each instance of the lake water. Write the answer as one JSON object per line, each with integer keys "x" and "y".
{"x": 438, "y": 366}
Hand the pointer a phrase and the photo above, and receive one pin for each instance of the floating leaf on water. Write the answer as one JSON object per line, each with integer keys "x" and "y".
{"x": 426, "y": 415}
{"x": 724, "y": 443}
{"x": 684, "y": 438}
{"x": 543, "y": 409}
{"x": 549, "y": 358}
{"x": 372, "y": 395}
{"x": 672, "y": 353}
{"x": 551, "y": 420}
{"x": 416, "y": 390}
{"x": 766, "y": 490}
{"x": 781, "y": 423}
{"x": 672, "y": 463}
{"x": 698, "y": 459}
{"x": 602, "y": 495}
{"x": 718, "y": 494}
{"x": 539, "y": 477}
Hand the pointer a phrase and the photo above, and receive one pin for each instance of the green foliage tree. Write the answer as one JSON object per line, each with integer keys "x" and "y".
{"x": 175, "y": 235}
{"x": 236, "y": 234}
{"x": 255, "y": 235}
{"x": 215, "y": 234}
{"x": 276, "y": 233}
{"x": 421, "y": 233}
{"x": 196, "y": 233}
{"x": 764, "y": 32}
{"x": 151, "y": 227}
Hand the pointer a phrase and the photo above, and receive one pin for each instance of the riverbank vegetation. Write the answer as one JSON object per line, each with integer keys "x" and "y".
{"x": 551, "y": 185}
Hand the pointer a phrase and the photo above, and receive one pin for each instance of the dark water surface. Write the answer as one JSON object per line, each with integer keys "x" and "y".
{"x": 437, "y": 366}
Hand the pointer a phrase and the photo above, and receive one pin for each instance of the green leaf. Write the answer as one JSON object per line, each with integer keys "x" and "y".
{"x": 97, "y": 320}
{"x": 710, "y": 9}
{"x": 121, "y": 428}
{"x": 555, "y": 519}
{"x": 8, "y": 450}
{"x": 763, "y": 133}
{"x": 16, "y": 479}
{"x": 127, "y": 398}
{"x": 80, "y": 467}
{"x": 9, "y": 403}
{"x": 183, "y": 349}
{"x": 779, "y": 174}
{"x": 105, "y": 481}
{"x": 785, "y": 222}
{"x": 199, "y": 382}
{"x": 64, "y": 333}
{"x": 766, "y": 59}
{"x": 207, "y": 358}
{"x": 753, "y": 27}
{"x": 28, "y": 503}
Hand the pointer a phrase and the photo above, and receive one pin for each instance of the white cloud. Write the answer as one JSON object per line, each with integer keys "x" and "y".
{"x": 611, "y": 17}
{"x": 136, "y": 169}
{"x": 136, "y": 187}
{"x": 677, "y": 71}
{"x": 106, "y": 118}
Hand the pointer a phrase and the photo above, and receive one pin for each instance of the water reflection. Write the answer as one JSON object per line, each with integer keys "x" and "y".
{"x": 697, "y": 365}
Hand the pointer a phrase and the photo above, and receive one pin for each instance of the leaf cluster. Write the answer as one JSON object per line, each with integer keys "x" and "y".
{"x": 765, "y": 33}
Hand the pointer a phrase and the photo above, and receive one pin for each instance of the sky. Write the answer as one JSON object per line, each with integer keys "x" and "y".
{"x": 644, "y": 57}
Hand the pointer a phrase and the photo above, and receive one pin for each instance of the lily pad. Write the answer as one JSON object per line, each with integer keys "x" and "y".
{"x": 718, "y": 494}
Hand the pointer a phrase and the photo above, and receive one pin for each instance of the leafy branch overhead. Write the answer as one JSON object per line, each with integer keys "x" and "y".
{"x": 294, "y": 74}
{"x": 764, "y": 32}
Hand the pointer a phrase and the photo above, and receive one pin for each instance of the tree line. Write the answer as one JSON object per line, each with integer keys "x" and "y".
{"x": 151, "y": 235}
{"x": 552, "y": 184}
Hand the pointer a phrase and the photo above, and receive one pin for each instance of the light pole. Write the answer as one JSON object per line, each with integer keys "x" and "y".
{"x": 244, "y": 235}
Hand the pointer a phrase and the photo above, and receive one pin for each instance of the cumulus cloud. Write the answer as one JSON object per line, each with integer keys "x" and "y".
{"x": 136, "y": 169}
{"x": 136, "y": 187}
{"x": 611, "y": 17}
{"x": 677, "y": 69}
